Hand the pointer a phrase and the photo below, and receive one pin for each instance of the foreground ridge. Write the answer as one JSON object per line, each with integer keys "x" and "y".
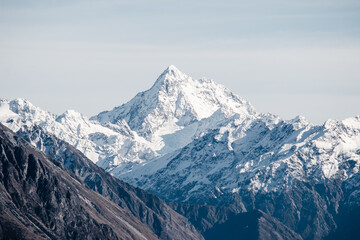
{"x": 40, "y": 199}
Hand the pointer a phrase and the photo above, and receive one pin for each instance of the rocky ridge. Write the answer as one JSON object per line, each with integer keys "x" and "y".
{"x": 41, "y": 199}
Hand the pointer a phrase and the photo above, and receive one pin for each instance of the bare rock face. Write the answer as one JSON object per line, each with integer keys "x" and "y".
{"x": 41, "y": 199}
{"x": 149, "y": 209}
{"x": 204, "y": 217}
{"x": 251, "y": 225}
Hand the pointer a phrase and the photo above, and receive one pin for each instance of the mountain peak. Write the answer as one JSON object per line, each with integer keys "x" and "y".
{"x": 172, "y": 70}
{"x": 70, "y": 114}
{"x": 21, "y": 103}
{"x": 173, "y": 102}
{"x": 170, "y": 74}
{"x": 28, "y": 110}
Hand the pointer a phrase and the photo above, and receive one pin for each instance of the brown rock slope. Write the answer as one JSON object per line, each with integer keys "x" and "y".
{"x": 41, "y": 199}
{"x": 149, "y": 209}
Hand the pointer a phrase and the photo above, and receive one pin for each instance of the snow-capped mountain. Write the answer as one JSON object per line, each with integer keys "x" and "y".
{"x": 174, "y": 102}
{"x": 106, "y": 145}
{"x": 181, "y": 124}
{"x": 176, "y": 110}
{"x": 194, "y": 141}
{"x": 264, "y": 156}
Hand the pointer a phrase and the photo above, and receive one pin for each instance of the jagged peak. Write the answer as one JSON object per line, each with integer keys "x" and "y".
{"x": 22, "y": 106}
{"x": 329, "y": 124}
{"x": 21, "y": 102}
{"x": 170, "y": 74}
{"x": 179, "y": 95}
{"x": 70, "y": 114}
{"x": 4, "y": 100}
{"x": 352, "y": 122}
{"x": 172, "y": 70}
{"x": 23, "y": 109}
{"x": 299, "y": 122}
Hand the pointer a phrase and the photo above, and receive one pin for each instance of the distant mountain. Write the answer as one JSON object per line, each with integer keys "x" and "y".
{"x": 174, "y": 102}
{"x": 264, "y": 156}
{"x": 170, "y": 115}
{"x": 108, "y": 146}
{"x": 195, "y": 142}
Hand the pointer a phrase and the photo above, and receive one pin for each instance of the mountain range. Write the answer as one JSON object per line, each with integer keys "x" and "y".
{"x": 210, "y": 155}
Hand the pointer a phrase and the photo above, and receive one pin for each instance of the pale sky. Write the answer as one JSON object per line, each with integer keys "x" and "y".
{"x": 286, "y": 57}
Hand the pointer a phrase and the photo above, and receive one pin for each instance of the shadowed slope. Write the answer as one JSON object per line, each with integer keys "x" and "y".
{"x": 40, "y": 199}
{"x": 149, "y": 209}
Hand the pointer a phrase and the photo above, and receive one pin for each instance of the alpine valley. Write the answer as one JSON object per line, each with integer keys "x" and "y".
{"x": 233, "y": 172}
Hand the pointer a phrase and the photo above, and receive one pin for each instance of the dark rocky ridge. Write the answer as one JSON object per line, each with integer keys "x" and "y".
{"x": 227, "y": 222}
{"x": 149, "y": 209}
{"x": 204, "y": 217}
{"x": 232, "y": 222}
{"x": 41, "y": 199}
{"x": 253, "y": 225}
{"x": 348, "y": 217}
{"x": 310, "y": 210}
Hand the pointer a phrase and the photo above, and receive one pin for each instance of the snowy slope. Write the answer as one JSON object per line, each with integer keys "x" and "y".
{"x": 175, "y": 104}
{"x": 264, "y": 156}
{"x": 200, "y": 137}
{"x": 106, "y": 145}
{"x": 175, "y": 111}
{"x": 176, "y": 98}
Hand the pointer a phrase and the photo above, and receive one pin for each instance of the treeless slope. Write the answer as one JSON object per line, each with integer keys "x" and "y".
{"x": 148, "y": 208}
{"x": 41, "y": 199}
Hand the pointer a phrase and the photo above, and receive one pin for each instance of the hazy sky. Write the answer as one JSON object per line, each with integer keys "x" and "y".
{"x": 286, "y": 57}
